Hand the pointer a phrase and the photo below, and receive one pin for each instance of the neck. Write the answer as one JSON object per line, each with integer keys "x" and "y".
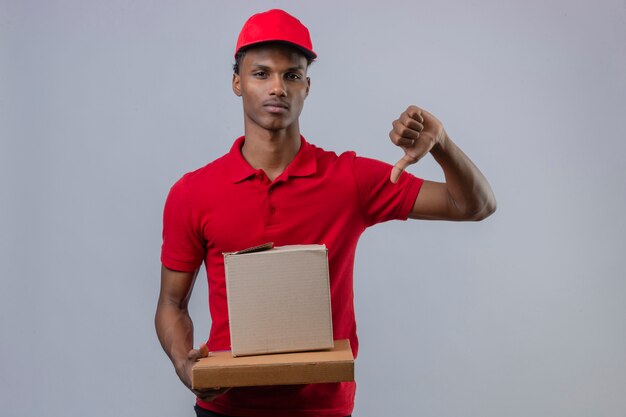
{"x": 271, "y": 151}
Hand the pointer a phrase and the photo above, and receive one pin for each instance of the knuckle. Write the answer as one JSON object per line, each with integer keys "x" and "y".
{"x": 403, "y": 131}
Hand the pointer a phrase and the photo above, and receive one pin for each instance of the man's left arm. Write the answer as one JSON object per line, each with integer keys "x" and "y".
{"x": 466, "y": 194}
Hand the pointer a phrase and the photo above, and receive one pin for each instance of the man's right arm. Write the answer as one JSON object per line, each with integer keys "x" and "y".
{"x": 174, "y": 327}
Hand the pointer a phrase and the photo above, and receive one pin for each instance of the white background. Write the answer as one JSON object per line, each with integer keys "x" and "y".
{"x": 104, "y": 104}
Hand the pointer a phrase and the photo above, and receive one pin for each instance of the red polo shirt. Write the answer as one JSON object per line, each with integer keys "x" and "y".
{"x": 320, "y": 198}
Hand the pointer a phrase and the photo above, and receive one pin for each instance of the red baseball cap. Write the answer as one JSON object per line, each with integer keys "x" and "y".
{"x": 275, "y": 26}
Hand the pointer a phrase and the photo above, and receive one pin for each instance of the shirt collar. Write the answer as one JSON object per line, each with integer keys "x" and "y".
{"x": 304, "y": 164}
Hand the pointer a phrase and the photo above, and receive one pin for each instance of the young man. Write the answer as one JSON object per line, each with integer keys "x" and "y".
{"x": 275, "y": 186}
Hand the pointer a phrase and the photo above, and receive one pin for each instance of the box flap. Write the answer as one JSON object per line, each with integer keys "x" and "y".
{"x": 259, "y": 248}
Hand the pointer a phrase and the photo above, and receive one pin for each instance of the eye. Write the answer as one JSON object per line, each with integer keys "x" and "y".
{"x": 259, "y": 74}
{"x": 293, "y": 76}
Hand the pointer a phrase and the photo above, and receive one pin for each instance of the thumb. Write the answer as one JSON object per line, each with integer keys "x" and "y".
{"x": 399, "y": 168}
{"x": 410, "y": 157}
{"x": 396, "y": 171}
{"x": 195, "y": 354}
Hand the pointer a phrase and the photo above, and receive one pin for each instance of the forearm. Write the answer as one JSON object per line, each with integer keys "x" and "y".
{"x": 468, "y": 189}
{"x": 174, "y": 329}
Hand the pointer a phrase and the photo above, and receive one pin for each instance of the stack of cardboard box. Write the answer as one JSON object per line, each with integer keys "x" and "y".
{"x": 280, "y": 322}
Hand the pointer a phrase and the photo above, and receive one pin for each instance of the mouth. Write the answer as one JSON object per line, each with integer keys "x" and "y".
{"x": 275, "y": 106}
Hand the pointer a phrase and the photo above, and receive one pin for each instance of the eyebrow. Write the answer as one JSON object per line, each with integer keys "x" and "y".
{"x": 266, "y": 68}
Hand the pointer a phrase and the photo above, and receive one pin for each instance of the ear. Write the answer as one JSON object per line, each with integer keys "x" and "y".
{"x": 237, "y": 85}
{"x": 308, "y": 85}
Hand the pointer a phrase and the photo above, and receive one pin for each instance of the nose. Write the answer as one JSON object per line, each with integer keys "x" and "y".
{"x": 278, "y": 87}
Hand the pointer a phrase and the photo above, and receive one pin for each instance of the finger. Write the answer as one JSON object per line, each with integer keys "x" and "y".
{"x": 209, "y": 395}
{"x": 411, "y": 123}
{"x": 399, "y": 140}
{"x": 208, "y": 391}
{"x": 204, "y": 350}
{"x": 194, "y": 354}
{"x": 410, "y": 131}
{"x": 415, "y": 113}
{"x": 405, "y": 131}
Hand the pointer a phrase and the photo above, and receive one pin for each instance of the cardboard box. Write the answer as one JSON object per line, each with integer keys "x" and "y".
{"x": 221, "y": 369}
{"x": 278, "y": 299}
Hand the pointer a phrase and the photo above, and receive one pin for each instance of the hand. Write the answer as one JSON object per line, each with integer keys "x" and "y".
{"x": 184, "y": 373}
{"x": 417, "y": 132}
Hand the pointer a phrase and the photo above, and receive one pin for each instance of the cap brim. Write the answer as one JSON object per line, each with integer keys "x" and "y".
{"x": 307, "y": 52}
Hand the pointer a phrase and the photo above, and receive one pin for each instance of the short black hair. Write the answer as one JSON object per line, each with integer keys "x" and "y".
{"x": 242, "y": 52}
{"x": 238, "y": 59}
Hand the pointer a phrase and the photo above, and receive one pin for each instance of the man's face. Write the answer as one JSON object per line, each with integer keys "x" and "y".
{"x": 273, "y": 84}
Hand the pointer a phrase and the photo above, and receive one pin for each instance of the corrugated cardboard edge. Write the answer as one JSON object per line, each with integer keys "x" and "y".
{"x": 261, "y": 352}
{"x": 220, "y": 369}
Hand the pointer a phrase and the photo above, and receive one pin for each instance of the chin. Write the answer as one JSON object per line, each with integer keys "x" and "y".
{"x": 275, "y": 125}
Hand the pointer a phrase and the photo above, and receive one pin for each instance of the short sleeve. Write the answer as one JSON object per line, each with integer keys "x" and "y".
{"x": 183, "y": 246}
{"x": 382, "y": 200}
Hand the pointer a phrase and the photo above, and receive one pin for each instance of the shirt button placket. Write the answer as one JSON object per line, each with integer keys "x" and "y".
{"x": 271, "y": 206}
